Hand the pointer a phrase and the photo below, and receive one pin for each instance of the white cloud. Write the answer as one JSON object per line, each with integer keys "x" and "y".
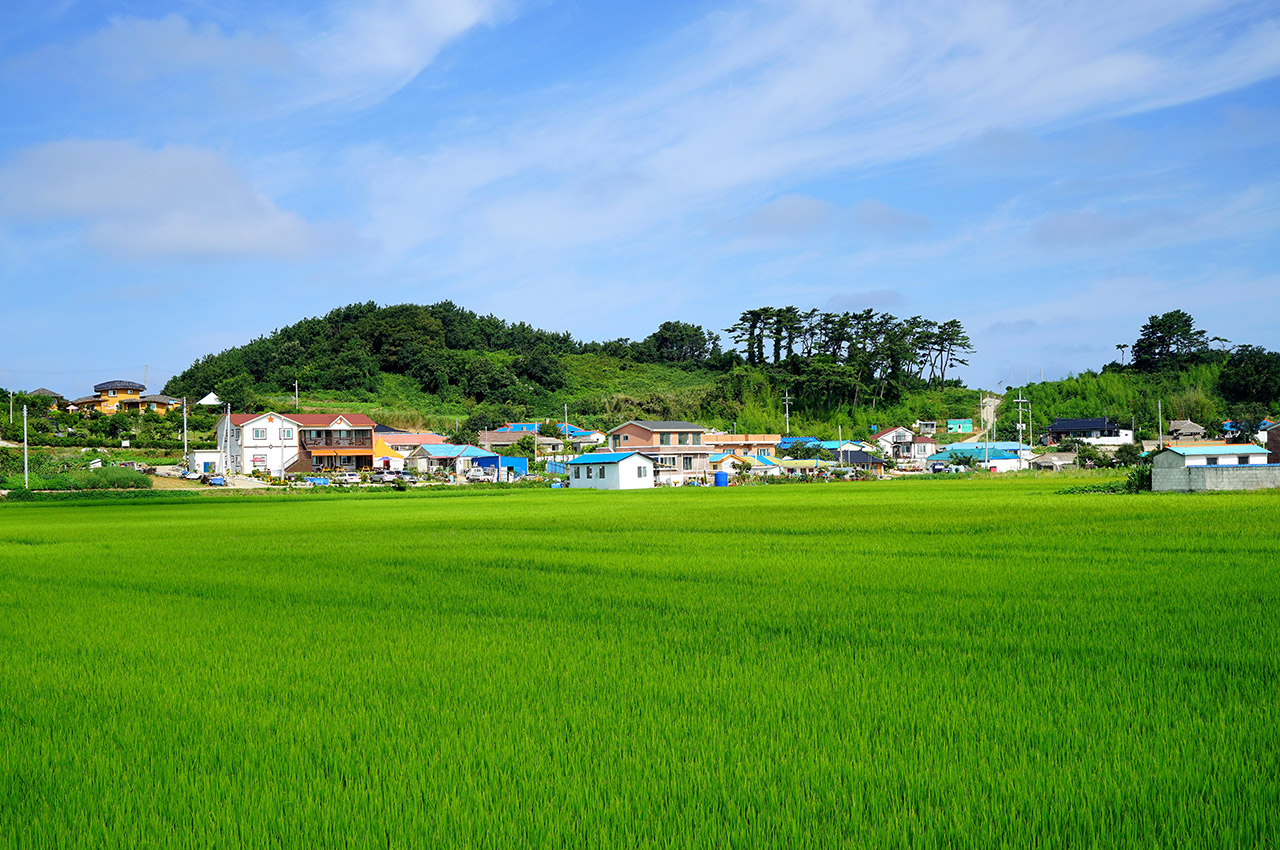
{"x": 343, "y": 51}
{"x": 751, "y": 104}
{"x": 372, "y": 49}
{"x": 137, "y": 202}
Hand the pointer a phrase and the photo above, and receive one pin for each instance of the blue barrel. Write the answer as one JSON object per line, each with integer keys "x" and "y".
{"x": 722, "y": 479}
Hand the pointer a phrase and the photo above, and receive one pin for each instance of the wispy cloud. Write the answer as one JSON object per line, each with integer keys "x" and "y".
{"x": 342, "y": 52}
{"x": 141, "y": 203}
{"x": 797, "y": 91}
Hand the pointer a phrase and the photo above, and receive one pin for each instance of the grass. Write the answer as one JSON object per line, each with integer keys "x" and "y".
{"x": 958, "y": 663}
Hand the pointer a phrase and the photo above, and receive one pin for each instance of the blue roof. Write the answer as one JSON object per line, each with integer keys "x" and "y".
{"x": 791, "y": 441}
{"x": 1001, "y": 445}
{"x": 1197, "y": 451}
{"x": 976, "y": 454}
{"x": 603, "y": 457}
{"x": 448, "y": 450}
{"x": 528, "y": 427}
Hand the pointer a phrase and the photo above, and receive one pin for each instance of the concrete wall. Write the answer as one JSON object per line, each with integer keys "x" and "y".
{"x": 1199, "y": 478}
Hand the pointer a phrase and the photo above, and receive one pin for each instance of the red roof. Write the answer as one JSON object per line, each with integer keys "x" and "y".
{"x": 923, "y": 440}
{"x": 877, "y": 435}
{"x": 308, "y": 420}
{"x": 427, "y": 439}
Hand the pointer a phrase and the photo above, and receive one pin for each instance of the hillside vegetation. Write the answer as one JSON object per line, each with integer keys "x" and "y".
{"x": 443, "y": 367}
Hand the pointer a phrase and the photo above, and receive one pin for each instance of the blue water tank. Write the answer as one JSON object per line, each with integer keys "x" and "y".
{"x": 722, "y": 479}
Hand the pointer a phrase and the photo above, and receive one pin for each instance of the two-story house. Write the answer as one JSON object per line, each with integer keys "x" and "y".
{"x": 112, "y": 396}
{"x": 904, "y": 447}
{"x": 1099, "y": 431}
{"x": 745, "y": 444}
{"x": 299, "y": 442}
{"x": 676, "y": 445}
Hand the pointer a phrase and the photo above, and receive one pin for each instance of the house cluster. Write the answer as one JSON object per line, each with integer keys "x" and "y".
{"x": 648, "y": 453}
{"x": 116, "y": 396}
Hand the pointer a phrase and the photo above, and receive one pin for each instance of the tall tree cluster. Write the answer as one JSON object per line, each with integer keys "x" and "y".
{"x": 851, "y": 357}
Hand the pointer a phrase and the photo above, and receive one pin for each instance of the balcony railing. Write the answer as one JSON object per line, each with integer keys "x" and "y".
{"x": 337, "y": 442}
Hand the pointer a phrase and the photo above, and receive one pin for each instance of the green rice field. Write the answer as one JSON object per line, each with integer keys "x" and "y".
{"x": 903, "y": 664}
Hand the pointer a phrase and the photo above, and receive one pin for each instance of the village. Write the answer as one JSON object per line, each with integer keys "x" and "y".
{"x": 273, "y": 448}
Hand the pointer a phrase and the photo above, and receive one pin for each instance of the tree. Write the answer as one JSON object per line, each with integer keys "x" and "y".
{"x": 237, "y": 391}
{"x": 1122, "y": 348}
{"x": 807, "y": 451}
{"x": 543, "y": 367}
{"x": 1128, "y": 454}
{"x": 1251, "y": 374}
{"x": 550, "y": 429}
{"x": 1170, "y": 340}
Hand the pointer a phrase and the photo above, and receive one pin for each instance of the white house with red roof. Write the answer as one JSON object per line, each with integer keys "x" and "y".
{"x": 903, "y": 446}
{"x": 298, "y": 442}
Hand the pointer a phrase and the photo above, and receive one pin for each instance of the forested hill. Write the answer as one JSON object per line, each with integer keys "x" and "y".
{"x": 1173, "y": 370}
{"x": 850, "y": 370}
{"x": 452, "y": 356}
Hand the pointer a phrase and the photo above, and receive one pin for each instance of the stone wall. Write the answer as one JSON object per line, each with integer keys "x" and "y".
{"x": 1198, "y": 478}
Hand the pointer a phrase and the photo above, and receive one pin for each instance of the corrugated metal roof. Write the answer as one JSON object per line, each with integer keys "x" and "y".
{"x": 1200, "y": 451}
{"x": 656, "y": 425}
{"x": 603, "y": 457}
{"x": 976, "y": 454}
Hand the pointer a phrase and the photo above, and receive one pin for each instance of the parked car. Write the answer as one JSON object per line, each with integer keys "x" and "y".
{"x": 384, "y": 476}
{"x": 407, "y": 477}
{"x": 477, "y": 473}
{"x": 347, "y": 478}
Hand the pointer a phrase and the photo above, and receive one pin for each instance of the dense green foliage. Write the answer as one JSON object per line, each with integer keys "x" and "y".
{"x": 679, "y": 668}
{"x": 451, "y": 357}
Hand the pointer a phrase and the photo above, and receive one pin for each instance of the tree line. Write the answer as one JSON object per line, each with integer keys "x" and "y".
{"x": 445, "y": 349}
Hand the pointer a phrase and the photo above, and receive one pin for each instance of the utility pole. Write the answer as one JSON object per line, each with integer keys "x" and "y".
{"x": 1021, "y": 401}
{"x": 786, "y": 401}
{"x": 1160, "y": 423}
{"x": 295, "y": 394}
{"x": 184, "y": 429}
{"x": 10, "y": 407}
{"x": 226, "y": 469}
{"x": 26, "y": 478}
{"x": 144, "y": 375}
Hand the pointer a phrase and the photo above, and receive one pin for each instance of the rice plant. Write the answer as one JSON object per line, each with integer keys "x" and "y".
{"x": 980, "y": 663}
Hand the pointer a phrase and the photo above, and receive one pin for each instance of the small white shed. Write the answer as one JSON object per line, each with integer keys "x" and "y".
{"x": 612, "y": 471}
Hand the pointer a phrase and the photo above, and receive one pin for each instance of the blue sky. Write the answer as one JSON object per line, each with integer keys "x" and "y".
{"x": 177, "y": 178}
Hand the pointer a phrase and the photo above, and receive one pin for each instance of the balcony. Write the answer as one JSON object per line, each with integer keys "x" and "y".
{"x": 329, "y": 441}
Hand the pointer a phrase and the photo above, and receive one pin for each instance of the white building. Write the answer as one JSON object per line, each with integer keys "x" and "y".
{"x": 1224, "y": 467}
{"x": 274, "y": 443}
{"x": 612, "y": 471}
{"x": 1098, "y": 431}
{"x": 904, "y": 447}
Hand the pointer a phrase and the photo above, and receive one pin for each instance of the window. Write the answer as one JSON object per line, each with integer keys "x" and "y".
{"x": 664, "y": 439}
{"x": 577, "y": 472}
{"x": 688, "y": 463}
{"x": 588, "y": 472}
{"x": 237, "y": 434}
{"x": 626, "y": 437}
{"x": 111, "y": 393}
{"x": 1211, "y": 461}
{"x": 1242, "y": 460}
{"x": 642, "y": 471}
{"x": 697, "y": 439}
{"x": 602, "y": 473}
{"x": 286, "y": 433}
{"x": 259, "y": 433}
{"x": 684, "y": 439}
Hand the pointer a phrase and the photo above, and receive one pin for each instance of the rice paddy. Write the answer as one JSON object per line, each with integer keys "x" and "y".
{"x": 932, "y": 663}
